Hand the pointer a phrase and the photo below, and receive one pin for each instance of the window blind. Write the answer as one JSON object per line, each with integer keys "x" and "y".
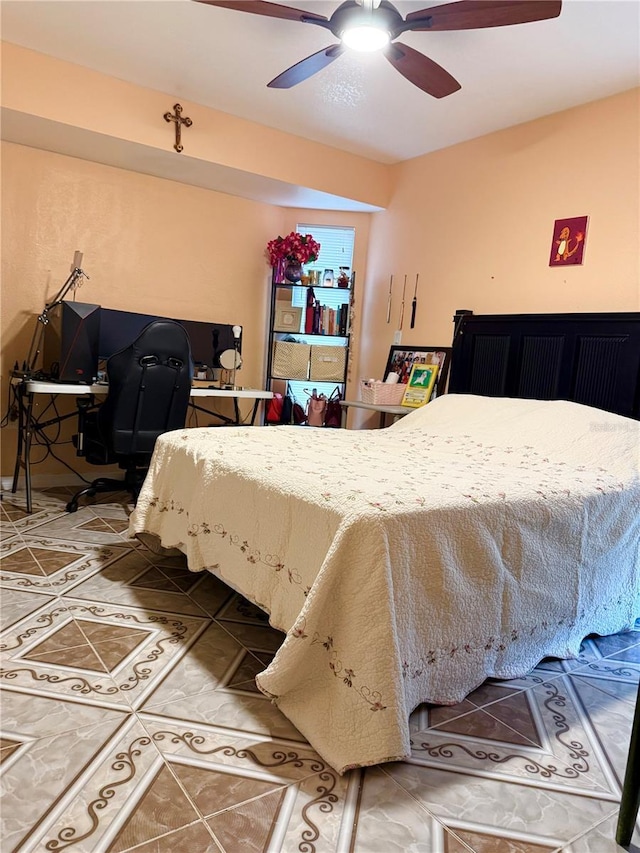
{"x": 336, "y": 250}
{"x": 336, "y": 246}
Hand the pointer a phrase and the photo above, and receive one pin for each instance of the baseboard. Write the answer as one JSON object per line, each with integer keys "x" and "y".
{"x": 48, "y": 481}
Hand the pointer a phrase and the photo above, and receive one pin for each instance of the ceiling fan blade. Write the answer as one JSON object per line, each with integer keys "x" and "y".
{"x": 306, "y": 67}
{"x": 261, "y": 7}
{"x": 421, "y": 71}
{"x": 475, "y": 14}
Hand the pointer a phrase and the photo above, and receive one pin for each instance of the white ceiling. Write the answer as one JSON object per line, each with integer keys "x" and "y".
{"x": 223, "y": 59}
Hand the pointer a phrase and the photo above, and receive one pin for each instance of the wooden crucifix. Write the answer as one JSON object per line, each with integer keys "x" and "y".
{"x": 179, "y": 121}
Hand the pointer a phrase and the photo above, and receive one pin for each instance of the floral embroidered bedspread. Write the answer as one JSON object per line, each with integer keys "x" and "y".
{"x": 407, "y": 565}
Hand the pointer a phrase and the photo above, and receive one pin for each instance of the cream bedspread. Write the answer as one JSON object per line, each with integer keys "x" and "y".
{"x": 469, "y": 540}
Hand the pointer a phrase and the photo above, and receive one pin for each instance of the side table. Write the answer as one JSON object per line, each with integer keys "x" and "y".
{"x": 384, "y": 410}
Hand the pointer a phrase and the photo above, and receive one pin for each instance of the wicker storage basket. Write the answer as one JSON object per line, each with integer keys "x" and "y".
{"x": 290, "y": 360}
{"x": 327, "y": 363}
{"x": 381, "y": 394}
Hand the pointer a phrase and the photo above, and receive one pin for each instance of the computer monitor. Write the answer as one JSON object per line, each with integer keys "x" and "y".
{"x": 209, "y": 340}
{"x": 119, "y": 328}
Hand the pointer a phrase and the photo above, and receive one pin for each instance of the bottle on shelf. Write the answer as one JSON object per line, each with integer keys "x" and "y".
{"x": 308, "y": 318}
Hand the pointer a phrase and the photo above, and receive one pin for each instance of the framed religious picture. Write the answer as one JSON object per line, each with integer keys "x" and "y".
{"x": 419, "y": 388}
{"x": 287, "y": 319}
{"x": 401, "y": 360}
{"x": 569, "y": 238}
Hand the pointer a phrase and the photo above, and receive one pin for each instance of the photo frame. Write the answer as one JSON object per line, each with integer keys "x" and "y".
{"x": 419, "y": 388}
{"x": 402, "y": 358}
{"x": 568, "y": 241}
{"x": 288, "y": 318}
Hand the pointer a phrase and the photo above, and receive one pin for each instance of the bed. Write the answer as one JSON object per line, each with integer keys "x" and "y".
{"x": 469, "y": 540}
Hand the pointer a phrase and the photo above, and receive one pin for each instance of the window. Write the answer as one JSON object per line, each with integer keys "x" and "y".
{"x": 336, "y": 246}
{"x": 336, "y": 250}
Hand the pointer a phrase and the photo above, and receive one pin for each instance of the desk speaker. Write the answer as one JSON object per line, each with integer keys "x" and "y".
{"x": 71, "y": 338}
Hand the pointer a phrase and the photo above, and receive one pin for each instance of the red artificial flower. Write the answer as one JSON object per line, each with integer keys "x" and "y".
{"x": 296, "y": 247}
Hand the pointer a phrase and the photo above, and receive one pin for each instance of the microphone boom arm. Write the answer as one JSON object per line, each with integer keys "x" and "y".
{"x": 73, "y": 281}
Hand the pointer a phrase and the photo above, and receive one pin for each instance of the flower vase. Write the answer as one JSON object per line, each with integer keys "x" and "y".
{"x": 293, "y": 271}
{"x": 278, "y": 270}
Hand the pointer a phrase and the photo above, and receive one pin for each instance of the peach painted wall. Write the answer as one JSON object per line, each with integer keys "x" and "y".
{"x": 97, "y": 103}
{"x": 150, "y": 245}
{"x": 475, "y": 221}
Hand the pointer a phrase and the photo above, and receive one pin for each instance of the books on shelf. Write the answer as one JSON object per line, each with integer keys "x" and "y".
{"x": 324, "y": 320}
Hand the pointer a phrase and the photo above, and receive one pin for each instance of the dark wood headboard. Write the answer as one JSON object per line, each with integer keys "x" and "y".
{"x": 587, "y": 358}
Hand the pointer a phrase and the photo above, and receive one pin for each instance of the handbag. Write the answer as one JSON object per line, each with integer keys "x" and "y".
{"x": 333, "y": 415}
{"x": 274, "y": 409}
{"x": 279, "y": 409}
{"x": 316, "y": 407}
{"x": 287, "y": 410}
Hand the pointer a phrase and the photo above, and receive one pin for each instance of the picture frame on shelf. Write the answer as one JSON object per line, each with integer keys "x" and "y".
{"x": 419, "y": 388}
{"x": 287, "y": 318}
{"x": 402, "y": 358}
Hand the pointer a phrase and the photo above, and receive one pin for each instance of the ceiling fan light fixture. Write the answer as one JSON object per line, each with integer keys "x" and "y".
{"x": 365, "y": 38}
{"x": 374, "y": 25}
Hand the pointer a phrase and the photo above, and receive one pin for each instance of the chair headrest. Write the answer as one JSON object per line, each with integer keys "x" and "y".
{"x": 162, "y": 339}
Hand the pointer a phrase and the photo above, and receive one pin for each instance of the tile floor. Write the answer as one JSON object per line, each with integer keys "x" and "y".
{"x": 131, "y": 721}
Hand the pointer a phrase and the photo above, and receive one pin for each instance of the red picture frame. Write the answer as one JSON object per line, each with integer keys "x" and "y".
{"x": 568, "y": 242}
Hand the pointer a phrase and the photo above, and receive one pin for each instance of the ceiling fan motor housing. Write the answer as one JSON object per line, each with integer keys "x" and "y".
{"x": 350, "y": 14}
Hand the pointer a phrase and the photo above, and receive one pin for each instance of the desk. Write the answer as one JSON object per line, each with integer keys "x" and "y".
{"x": 26, "y": 391}
{"x": 384, "y": 410}
{"x": 201, "y": 389}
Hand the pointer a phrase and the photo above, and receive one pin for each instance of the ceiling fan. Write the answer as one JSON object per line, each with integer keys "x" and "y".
{"x": 375, "y": 24}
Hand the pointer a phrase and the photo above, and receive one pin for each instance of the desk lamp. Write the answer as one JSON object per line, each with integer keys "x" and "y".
{"x": 231, "y": 359}
{"x": 237, "y": 361}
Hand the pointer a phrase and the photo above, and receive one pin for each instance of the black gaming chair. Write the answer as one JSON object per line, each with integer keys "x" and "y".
{"x": 149, "y": 387}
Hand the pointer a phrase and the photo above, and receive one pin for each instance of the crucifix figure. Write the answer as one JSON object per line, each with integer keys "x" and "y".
{"x": 177, "y": 118}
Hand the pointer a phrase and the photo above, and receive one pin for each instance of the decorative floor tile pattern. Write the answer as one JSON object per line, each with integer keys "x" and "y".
{"x": 50, "y": 565}
{"x": 131, "y": 722}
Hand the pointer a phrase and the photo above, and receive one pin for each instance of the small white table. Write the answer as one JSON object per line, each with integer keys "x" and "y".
{"x": 384, "y": 410}
{"x": 27, "y": 389}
